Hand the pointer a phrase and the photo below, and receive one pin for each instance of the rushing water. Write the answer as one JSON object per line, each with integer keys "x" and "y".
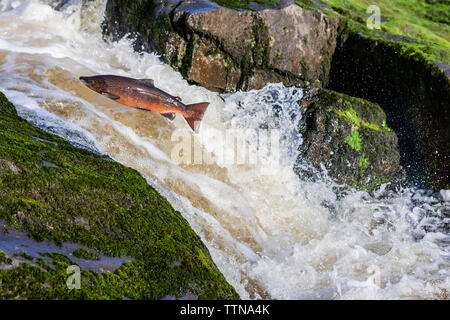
{"x": 272, "y": 234}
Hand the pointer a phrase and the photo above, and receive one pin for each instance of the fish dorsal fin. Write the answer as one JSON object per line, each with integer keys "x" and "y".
{"x": 148, "y": 81}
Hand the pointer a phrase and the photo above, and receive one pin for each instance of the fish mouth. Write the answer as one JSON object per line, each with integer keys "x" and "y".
{"x": 86, "y": 82}
{"x": 83, "y": 79}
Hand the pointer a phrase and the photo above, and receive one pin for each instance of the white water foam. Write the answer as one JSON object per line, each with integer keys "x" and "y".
{"x": 272, "y": 234}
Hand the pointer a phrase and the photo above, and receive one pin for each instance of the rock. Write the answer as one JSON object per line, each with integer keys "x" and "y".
{"x": 213, "y": 70}
{"x": 302, "y": 41}
{"x": 409, "y": 78}
{"x": 57, "y": 4}
{"x": 256, "y": 6}
{"x": 6, "y": 107}
{"x": 225, "y": 49}
{"x": 443, "y": 67}
{"x": 7, "y": 167}
{"x": 347, "y": 137}
{"x": 129, "y": 234}
{"x": 260, "y": 78}
{"x": 47, "y": 164}
{"x": 414, "y": 93}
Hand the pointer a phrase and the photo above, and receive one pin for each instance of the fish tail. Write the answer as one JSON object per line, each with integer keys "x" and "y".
{"x": 195, "y": 114}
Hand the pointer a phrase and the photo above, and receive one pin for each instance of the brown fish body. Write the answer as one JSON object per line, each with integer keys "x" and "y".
{"x": 142, "y": 94}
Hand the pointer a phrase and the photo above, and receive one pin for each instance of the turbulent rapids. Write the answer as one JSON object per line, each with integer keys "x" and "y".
{"x": 271, "y": 233}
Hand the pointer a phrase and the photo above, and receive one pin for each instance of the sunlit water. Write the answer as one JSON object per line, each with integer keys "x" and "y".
{"x": 272, "y": 234}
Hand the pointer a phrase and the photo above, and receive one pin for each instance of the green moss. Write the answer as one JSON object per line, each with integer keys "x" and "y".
{"x": 47, "y": 281}
{"x": 350, "y": 115}
{"x": 244, "y": 4}
{"x": 159, "y": 31}
{"x": 372, "y": 184}
{"x": 345, "y": 134}
{"x": 6, "y": 106}
{"x": 104, "y": 206}
{"x": 86, "y": 254}
{"x": 353, "y": 117}
{"x": 186, "y": 62}
{"x": 306, "y": 4}
{"x": 305, "y": 68}
{"x": 384, "y": 126}
{"x": 325, "y": 65}
{"x": 371, "y": 126}
{"x": 425, "y": 24}
{"x": 26, "y": 256}
{"x": 264, "y": 42}
{"x": 354, "y": 140}
{"x": 364, "y": 162}
{"x": 4, "y": 259}
{"x": 138, "y": 13}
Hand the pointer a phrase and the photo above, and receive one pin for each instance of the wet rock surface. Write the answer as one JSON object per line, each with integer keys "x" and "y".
{"x": 69, "y": 207}
{"x": 225, "y": 49}
{"x": 347, "y": 138}
{"x": 413, "y": 92}
{"x": 20, "y": 248}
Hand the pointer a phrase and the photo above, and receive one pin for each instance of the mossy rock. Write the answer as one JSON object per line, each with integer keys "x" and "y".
{"x": 413, "y": 92}
{"x": 247, "y": 5}
{"x": 404, "y": 68}
{"x": 85, "y": 254}
{"x": 350, "y": 138}
{"x": 421, "y": 24}
{"x": 139, "y": 21}
{"x": 4, "y": 260}
{"x": 105, "y": 207}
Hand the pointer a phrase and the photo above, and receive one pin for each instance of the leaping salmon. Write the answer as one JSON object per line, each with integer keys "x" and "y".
{"x": 142, "y": 94}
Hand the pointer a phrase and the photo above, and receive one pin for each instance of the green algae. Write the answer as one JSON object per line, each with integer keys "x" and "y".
{"x": 86, "y": 254}
{"x": 354, "y": 140}
{"x": 424, "y": 25}
{"x": 371, "y": 184}
{"x": 4, "y": 259}
{"x": 26, "y": 256}
{"x": 364, "y": 162}
{"x": 345, "y": 134}
{"x": 305, "y": 4}
{"x": 352, "y": 116}
{"x": 384, "y": 126}
{"x": 104, "y": 206}
{"x": 244, "y": 4}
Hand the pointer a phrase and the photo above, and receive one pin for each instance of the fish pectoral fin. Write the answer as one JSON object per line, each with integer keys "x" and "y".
{"x": 111, "y": 96}
{"x": 148, "y": 81}
{"x": 169, "y": 116}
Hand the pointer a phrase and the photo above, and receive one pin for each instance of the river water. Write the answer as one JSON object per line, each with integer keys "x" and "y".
{"x": 272, "y": 234}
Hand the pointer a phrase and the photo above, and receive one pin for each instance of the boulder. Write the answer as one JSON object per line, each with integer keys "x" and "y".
{"x": 225, "y": 49}
{"x": 86, "y": 211}
{"x": 348, "y": 139}
{"x": 413, "y": 92}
